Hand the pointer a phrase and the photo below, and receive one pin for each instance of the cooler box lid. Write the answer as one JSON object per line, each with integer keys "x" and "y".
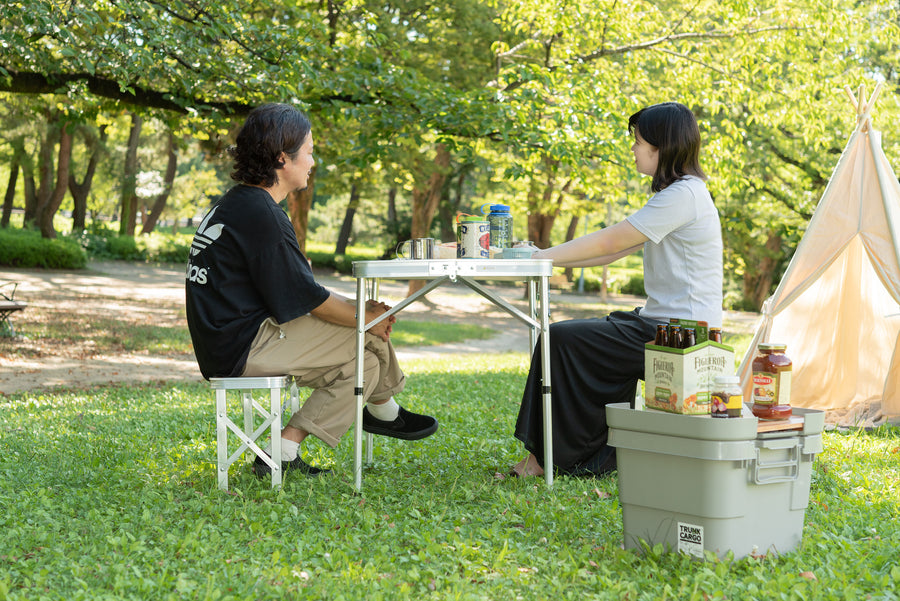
{"x": 704, "y": 427}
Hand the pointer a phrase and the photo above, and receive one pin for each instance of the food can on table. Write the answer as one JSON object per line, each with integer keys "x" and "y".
{"x": 474, "y": 239}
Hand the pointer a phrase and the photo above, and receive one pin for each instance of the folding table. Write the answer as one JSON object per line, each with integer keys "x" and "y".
{"x": 535, "y": 272}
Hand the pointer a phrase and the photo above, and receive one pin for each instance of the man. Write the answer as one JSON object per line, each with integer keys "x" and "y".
{"x": 254, "y": 307}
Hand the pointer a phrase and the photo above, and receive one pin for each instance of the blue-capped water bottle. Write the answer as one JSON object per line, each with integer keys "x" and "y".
{"x": 501, "y": 225}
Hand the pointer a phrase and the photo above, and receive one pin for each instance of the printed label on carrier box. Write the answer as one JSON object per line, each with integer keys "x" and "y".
{"x": 690, "y": 539}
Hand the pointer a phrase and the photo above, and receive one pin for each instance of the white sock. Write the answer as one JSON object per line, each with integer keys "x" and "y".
{"x": 289, "y": 449}
{"x": 386, "y": 412}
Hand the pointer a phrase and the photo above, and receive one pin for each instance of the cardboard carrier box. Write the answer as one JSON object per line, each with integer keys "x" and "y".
{"x": 680, "y": 380}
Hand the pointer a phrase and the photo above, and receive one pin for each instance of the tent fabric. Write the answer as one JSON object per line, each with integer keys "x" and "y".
{"x": 837, "y": 306}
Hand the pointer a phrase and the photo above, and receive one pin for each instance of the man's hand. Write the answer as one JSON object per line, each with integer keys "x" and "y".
{"x": 373, "y": 310}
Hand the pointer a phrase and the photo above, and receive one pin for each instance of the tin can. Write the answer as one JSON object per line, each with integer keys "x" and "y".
{"x": 474, "y": 240}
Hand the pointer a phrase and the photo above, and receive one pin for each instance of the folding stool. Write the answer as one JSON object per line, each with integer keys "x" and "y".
{"x": 271, "y": 414}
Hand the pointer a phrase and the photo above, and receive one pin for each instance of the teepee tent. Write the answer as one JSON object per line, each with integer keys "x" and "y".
{"x": 837, "y": 306}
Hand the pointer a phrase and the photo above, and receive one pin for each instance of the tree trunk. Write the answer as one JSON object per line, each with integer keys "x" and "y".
{"x": 570, "y": 235}
{"x": 159, "y": 204}
{"x": 425, "y": 200}
{"x": 393, "y": 225}
{"x": 450, "y": 207}
{"x": 128, "y": 213}
{"x": 80, "y": 191}
{"x": 62, "y": 183}
{"x": 540, "y": 218}
{"x": 542, "y": 213}
{"x": 10, "y": 191}
{"x": 392, "y": 207}
{"x": 299, "y": 203}
{"x": 45, "y": 177}
{"x": 759, "y": 273}
{"x": 604, "y": 283}
{"x": 29, "y": 188}
{"x": 347, "y": 225}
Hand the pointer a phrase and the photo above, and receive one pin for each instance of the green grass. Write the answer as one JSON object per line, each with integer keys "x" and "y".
{"x": 429, "y": 333}
{"x": 110, "y": 493}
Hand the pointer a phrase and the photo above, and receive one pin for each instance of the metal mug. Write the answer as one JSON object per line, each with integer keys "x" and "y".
{"x": 417, "y": 248}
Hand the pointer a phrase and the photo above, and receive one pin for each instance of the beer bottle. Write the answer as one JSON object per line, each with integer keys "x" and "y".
{"x": 675, "y": 336}
{"x": 715, "y": 334}
{"x": 662, "y": 336}
{"x": 689, "y": 338}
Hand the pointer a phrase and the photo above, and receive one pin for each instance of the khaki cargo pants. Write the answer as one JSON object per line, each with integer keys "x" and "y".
{"x": 322, "y": 356}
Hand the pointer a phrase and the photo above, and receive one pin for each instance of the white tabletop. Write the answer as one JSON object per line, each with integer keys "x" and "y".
{"x": 499, "y": 269}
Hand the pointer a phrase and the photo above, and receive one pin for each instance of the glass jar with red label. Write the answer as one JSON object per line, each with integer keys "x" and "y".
{"x": 772, "y": 382}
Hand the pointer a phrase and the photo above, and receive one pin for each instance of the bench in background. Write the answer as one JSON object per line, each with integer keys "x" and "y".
{"x": 8, "y": 306}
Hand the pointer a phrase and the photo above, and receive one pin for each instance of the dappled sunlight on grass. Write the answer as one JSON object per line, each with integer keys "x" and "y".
{"x": 122, "y": 500}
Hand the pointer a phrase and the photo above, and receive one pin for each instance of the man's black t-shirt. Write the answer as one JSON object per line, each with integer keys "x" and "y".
{"x": 245, "y": 266}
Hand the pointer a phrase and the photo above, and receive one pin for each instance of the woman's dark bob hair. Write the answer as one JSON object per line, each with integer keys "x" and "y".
{"x": 672, "y": 128}
{"x": 270, "y": 129}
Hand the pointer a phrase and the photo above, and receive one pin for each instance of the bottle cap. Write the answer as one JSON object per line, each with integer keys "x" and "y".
{"x": 772, "y": 346}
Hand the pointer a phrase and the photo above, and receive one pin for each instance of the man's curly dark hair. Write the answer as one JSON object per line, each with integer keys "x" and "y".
{"x": 270, "y": 129}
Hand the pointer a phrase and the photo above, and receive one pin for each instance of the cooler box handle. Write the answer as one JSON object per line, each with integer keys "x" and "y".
{"x": 793, "y": 463}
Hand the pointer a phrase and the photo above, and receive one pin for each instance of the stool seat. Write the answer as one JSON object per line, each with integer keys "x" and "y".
{"x": 271, "y": 414}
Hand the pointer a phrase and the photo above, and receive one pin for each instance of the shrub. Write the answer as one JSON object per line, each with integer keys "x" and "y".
{"x": 161, "y": 247}
{"x": 26, "y": 248}
{"x": 125, "y": 248}
{"x": 341, "y": 263}
{"x": 634, "y": 285}
{"x": 102, "y": 243}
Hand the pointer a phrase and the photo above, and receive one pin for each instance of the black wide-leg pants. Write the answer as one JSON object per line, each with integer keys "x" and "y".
{"x": 593, "y": 362}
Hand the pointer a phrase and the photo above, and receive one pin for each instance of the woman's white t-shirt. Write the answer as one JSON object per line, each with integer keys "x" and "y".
{"x": 683, "y": 258}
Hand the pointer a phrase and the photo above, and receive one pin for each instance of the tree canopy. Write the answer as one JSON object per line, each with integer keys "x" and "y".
{"x": 522, "y": 101}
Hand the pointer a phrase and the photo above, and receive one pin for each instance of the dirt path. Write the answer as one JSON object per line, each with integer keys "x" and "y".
{"x": 112, "y": 295}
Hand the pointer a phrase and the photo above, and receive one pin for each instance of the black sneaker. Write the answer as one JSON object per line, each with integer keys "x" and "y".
{"x": 407, "y": 426}
{"x": 262, "y": 469}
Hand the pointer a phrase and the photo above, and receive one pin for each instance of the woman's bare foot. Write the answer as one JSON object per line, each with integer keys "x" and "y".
{"x": 528, "y": 467}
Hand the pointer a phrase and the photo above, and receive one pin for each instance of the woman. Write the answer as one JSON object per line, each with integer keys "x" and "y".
{"x": 595, "y": 362}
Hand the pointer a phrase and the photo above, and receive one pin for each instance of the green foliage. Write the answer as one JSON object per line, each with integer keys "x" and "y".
{"x": 339, "y": 263}
{"x": 26, "y": 248}
{"x": 122, "y": 503}
{"x": 531, "y": 98}
{"x": 634, "y": 285}
{"x": 158, "y": 247}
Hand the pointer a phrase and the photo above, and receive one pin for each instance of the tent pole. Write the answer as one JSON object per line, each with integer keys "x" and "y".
{"x": 883, "y": 182}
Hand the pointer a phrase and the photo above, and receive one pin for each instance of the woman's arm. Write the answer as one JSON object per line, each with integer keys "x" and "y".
{"x": 597, "y": 248}
{"x": 604, "y": 260}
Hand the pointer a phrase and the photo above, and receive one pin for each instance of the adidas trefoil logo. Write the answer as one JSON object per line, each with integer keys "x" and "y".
{"x": 206, "y": 235}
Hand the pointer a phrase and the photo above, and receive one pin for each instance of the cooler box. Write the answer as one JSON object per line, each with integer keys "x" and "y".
{"x": 699, "y": 483}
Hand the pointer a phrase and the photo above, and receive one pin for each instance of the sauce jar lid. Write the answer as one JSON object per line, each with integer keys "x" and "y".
{"x": 772, "y": 346}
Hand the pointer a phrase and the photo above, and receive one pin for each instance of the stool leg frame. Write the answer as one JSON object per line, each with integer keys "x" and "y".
{"x": 249, "y": 434}
{"x": 221, "y": 440}
{"x": 275, "y": 400}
